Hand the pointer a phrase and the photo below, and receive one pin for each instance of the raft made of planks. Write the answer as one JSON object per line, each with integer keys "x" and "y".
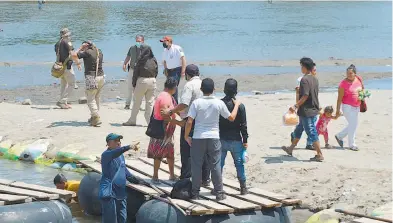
{"x": 235, "y": 202}
{"x": 14, "y": 192}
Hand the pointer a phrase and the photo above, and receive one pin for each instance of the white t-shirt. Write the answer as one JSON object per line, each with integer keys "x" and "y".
{"x": 191, "y": 92}
{"x": 206, "y": 112}
{"x": 172, "y": 56}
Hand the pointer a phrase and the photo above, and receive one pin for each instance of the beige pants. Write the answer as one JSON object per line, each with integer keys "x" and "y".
{"x": 67, "y": 84}
{"x": 145, "y": 87}
{"x": 130, "y": 87}
{"x": 93, "y": 96}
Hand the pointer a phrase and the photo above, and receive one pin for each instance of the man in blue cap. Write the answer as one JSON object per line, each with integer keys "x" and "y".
{"x": 112, "y": 192}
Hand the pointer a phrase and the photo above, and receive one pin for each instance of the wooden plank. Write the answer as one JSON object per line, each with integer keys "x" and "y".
{"x": 257, "y": 191}
{"x": 205, "y": 193}
{"x": 6, "y": 182}
{"x": 366, "y": 220}
{"x": 195, "y": 209}
{"x": 14, "y": 199}
{"x": 228, "y": 190}
{"x": 30, "y": 193}
{"x": 62, "y": 193}
{"x": 96, "y": 167}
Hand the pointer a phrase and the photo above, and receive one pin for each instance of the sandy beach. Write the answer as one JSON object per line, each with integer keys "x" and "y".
{"x": 358, "y": 181}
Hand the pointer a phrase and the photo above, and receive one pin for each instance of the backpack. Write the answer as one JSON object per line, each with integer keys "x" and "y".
{"x": 182, "y": 189}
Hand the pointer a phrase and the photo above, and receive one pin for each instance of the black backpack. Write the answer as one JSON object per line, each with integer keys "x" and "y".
{"x": 182, "y": 189}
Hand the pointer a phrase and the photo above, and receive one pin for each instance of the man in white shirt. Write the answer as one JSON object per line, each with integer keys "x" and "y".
{"x": 206, "y": 112}
{"x": 174, "y": 61}
{"x": 191, "y": 92}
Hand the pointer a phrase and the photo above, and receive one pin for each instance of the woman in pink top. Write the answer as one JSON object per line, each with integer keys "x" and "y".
{"x": 348, "y": 100}
{"x": 164, "y": 148}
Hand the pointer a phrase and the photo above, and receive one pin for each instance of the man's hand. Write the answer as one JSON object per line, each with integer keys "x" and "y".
{"x": 136, "y": 146}
{"x": 124, "y": 67}
{"x": 292, "y": 109}
{"x": 183, "y": 73}
{"x": 79, "y": 67}
{"x": 236, "y": 102}
{"x": 188, "y": 140}
{"x": 245, "y": 145}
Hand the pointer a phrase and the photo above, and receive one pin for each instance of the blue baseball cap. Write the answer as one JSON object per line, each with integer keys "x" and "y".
{"x": 113, "y": 136}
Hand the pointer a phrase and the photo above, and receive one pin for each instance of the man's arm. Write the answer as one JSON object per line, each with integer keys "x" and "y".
{"x": 165, "y": 69}
{"x": 243, "y": 124}
{"x": 306, "y": 92}
{"x": 184, "y": 102}
{"x": 126, "y": 60}
{"x": 183, "y": 65}
{"x": 188, "y": 129}
{"x": 114, "y": 153}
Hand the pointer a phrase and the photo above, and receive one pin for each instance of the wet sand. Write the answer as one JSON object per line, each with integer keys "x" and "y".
{"x": 49, "y": 94}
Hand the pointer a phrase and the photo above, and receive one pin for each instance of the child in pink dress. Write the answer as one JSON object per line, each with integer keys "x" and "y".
{"x": 322, "y": 124}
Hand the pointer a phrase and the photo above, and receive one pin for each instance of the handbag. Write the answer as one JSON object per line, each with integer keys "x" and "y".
{"x": 363, "y": 104}
{"x": 156, "y": 128}
{"x": 91, "y": 82}
{"x": 58, "y": 67}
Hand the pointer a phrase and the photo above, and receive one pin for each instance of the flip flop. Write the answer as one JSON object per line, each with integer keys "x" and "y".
{"x": 286, "y": 150}
{"x": 340, "y": 142}
{"x": 317, "y": 159}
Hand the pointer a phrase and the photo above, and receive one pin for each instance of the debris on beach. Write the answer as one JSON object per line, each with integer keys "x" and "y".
{"x": 82, "y": 100}
{"x": 26, "y": 102}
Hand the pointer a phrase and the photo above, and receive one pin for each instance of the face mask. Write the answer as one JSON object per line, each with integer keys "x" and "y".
{"x": 165, "y": 45}
{"x": 138, "y": 44}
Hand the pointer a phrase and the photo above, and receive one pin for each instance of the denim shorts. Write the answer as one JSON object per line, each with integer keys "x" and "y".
{"x": 307, "y": 124}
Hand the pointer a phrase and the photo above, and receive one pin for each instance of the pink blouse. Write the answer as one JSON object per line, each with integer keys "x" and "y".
{"x": 351, "y": 92}
{"x": 162, "y": 101}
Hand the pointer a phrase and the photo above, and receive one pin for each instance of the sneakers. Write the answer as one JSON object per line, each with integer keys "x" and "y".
{"x": 220, "y": 197}
{"x": 243, "y": 188}
{"x": 127, "y": 107}
{"x": 310, "y": 147}
{"x": 95, "y": 121}
{"x": 62, "y": 105}
{"x": 354, "y": 148}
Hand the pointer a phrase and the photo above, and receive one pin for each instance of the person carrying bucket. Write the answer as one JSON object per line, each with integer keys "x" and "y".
{"x": 112, "y": 192}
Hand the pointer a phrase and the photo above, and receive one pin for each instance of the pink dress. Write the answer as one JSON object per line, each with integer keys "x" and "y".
{"x": 322, "y": 125}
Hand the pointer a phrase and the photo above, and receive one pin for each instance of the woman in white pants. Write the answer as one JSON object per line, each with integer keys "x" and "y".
{"x": 348, "y": 100}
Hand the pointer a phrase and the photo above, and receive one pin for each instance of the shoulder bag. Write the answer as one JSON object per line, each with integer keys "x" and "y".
{"x": 156, "y": 128}
{"x": 363, "y": 105}
{"x": 58, "y": 67}
{"x": 91, "y": 82}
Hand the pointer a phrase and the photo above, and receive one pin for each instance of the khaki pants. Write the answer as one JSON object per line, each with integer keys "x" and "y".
{"x": 130, "y": 87}
{"x": 67, "y": 84}
{"x": 145, "y": 87}
{"x": 93, "y": 97}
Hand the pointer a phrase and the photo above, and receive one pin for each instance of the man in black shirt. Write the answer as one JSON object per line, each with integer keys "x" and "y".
{"x": 63, "y": 49}
{"x": 94, "y": 77}
{"x": 234, "y": 135}
{"x": 307, "y": 109}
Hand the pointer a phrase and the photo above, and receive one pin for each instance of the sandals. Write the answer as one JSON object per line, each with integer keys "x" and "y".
{"x": 317, "y": 158}
{"x": 340, "y": 142}
{"x": 328, "y": 146}
{"x": 287, "y": 150}
{"x": 155, "y": 181}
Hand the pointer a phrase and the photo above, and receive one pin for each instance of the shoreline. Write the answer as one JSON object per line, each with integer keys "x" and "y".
{"x": 117, "y": 89}
{"x": 332, "y": 61}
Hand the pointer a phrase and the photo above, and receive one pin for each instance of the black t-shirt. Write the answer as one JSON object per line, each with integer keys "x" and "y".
{"x": 309, "y": 85}
{"x": 236, "y": 130}
{"x": 64, "y": 51}
{"x": 90, "y": 61}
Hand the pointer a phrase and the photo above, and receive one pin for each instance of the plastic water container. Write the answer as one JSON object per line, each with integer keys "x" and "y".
{"x": 245, "y": 156}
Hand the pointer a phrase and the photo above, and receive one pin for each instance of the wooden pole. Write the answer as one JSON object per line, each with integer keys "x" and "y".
{"x": 362, "y": 215}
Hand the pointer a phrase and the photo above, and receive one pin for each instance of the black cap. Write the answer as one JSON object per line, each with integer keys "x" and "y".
{"x": 59, "y": 178}
{"x": 207, "y": 86}
{"x": 192, "y": 70}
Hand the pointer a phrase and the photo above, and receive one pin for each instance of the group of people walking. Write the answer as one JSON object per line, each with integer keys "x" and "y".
{"x": 210, "y": 127}
{"x": 314, "y": 121}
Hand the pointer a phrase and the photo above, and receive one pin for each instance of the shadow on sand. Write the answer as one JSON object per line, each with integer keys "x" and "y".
{"x": 68, "y": 123}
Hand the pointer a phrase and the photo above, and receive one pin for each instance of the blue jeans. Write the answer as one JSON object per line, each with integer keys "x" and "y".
{"x": 114, "y": 211}
{"x": 236, "y": 148}
{"x": 176, "y": 73}
{"x": 307, "y": 124}
{"x": 309, "y": 143}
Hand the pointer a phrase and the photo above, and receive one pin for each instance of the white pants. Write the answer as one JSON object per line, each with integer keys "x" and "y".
{"x": 351, "y": 115}
{"x": 130, "y": 87}
{"x": 67, "y": 85}
{"x": 145, "y": 87}
{"x": 94, "y": 96}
